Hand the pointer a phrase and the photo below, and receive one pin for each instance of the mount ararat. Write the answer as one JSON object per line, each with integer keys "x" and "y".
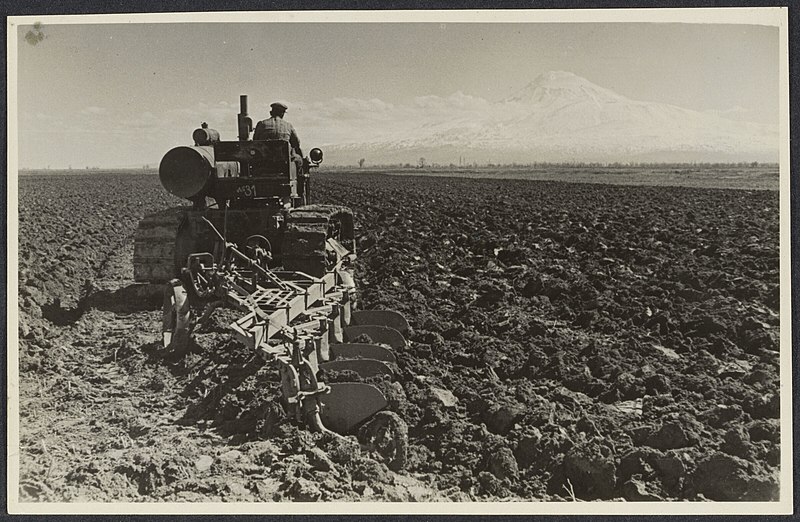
{"x": 561, "y": 117}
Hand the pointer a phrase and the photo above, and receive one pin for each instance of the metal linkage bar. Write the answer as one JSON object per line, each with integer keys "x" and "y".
{"x": 275, "y": 313}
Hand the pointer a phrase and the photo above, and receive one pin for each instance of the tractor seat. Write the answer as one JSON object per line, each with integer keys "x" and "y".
{"x": 276, "y": 158}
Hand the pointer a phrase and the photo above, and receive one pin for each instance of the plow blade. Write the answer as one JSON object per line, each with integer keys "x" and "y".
{"x": 175, "y": 316}
{"x": 349, "y": 404}
{"x": 388, "y": 318}
{"x": 363, "y": 367}
{"x": 362, "y": 351}
{"x": 378, "y": 334}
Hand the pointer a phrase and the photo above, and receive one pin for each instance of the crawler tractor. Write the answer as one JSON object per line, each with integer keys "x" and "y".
{"x": 287, "y": 265}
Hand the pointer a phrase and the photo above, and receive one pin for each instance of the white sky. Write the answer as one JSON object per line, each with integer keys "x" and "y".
{"x": 123, "y": 94}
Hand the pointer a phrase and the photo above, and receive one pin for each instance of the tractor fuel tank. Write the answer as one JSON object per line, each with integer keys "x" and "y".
{"x": 187, "y": 172}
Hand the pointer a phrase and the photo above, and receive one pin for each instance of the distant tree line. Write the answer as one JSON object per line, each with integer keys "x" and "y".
{"x": 422, "y": 163}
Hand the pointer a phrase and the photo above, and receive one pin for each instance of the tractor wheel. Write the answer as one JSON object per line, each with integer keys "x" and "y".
{"x": 387, "y": 434}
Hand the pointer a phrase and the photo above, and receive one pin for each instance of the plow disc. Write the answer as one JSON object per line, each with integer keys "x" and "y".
{"x": 363, "y": 351}
{"x": 349, "y": 404}
{"x": 377, "y": 334}
{"x": 365, "y": 368}
{"x": 388, "y": 318}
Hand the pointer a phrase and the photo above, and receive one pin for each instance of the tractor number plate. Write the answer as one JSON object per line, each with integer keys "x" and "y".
{"x": 246, "y": 191}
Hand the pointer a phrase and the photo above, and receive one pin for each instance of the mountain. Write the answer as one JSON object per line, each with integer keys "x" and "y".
{"x": 562, "y": 117}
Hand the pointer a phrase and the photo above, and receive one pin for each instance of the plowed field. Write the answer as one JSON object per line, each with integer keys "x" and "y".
{"x": 571, "y": 341}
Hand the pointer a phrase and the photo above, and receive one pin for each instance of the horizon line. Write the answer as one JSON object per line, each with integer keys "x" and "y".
{"x": 436, "y": 165}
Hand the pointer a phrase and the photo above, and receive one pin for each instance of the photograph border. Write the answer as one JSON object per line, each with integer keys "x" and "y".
{"x": 773, "y": 16}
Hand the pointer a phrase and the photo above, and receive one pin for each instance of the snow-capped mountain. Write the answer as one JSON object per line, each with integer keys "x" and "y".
{"x": 562, "y": 117}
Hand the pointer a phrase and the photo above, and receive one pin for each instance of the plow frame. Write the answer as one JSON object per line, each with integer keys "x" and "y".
{"x": 293, "y": 319}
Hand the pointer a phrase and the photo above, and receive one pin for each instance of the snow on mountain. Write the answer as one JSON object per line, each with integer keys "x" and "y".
{"x": 562, "y": 87}
{"x": 562, "y": 117}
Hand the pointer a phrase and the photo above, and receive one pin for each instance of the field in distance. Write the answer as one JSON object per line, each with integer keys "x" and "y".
{"x": 746, "y": 177}
{"x": 762, "y": 177}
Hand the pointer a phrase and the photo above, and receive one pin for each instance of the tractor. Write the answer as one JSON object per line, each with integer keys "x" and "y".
{"x": 250, "y": 239}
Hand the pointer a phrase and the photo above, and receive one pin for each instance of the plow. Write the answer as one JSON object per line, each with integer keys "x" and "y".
{"x": 286, "y": 266}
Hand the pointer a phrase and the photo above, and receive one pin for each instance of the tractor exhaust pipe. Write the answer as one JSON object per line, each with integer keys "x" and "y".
{"x": 245, "y": 123}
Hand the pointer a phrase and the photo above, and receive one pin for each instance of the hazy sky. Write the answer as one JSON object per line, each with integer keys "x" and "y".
{"x": 123, "y": 94}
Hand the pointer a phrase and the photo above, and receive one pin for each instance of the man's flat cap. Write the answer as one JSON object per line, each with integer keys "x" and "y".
{"x": 279, "y": 106}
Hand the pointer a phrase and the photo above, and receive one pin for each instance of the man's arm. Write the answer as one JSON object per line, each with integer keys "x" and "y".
{"x": 294, "y": 141}
{"x": 259, "y": 130}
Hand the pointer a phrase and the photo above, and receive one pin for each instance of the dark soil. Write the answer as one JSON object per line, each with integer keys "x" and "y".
{"x": 570, "y": 341}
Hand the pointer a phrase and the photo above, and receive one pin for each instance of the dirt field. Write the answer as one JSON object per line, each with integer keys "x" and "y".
{"x": 761, "y": 177}
{"x": 571, "y": 341}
